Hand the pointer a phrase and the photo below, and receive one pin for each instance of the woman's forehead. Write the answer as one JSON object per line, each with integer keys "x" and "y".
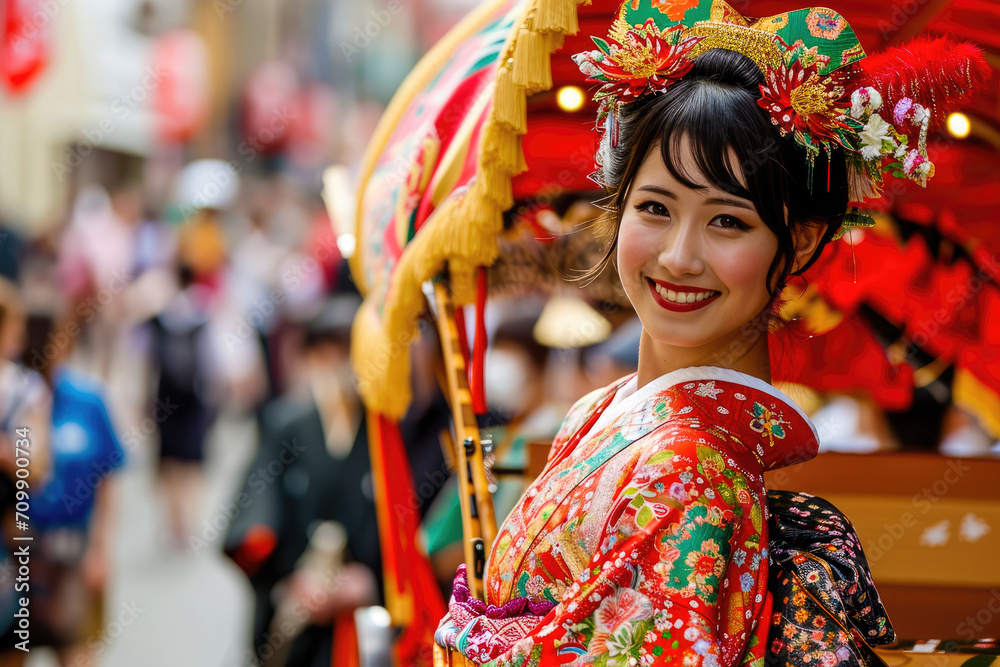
{"x": 682, "y": 156}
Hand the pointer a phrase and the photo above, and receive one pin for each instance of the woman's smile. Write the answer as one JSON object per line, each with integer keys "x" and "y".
{"x": 684, "y": 248}
{"x": 680, "y": 299}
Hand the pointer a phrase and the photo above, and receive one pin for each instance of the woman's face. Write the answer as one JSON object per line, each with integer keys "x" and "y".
{"x": 693, "y": 262}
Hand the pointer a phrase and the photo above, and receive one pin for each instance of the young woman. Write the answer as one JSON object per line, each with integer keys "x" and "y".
{"x": 731, "y": 156}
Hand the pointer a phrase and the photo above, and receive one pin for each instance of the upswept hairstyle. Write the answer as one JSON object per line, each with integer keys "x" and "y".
{"x": 715, "y": 107}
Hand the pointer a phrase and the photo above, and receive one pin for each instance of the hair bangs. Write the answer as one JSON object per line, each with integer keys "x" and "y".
{"x": 728, "y": 141}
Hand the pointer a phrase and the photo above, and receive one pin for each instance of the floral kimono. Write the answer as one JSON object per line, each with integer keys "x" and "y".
{"x": 644, "y": 540}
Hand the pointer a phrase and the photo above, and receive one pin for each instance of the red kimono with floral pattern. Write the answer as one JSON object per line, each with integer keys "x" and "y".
{"x": 644, "y": 538}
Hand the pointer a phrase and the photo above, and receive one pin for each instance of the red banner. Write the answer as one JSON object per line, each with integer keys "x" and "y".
{"x": 24, "y": 44}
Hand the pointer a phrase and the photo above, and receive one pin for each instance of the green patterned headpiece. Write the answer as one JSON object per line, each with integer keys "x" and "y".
{"x": 813, "y": 89}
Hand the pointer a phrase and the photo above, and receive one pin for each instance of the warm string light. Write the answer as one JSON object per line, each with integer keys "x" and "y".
{"x": 570, "y": 98}
{"x": 959, "y": 125}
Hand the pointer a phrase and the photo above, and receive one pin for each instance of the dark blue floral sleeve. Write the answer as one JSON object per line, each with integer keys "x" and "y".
{"x": 826, "y": 608}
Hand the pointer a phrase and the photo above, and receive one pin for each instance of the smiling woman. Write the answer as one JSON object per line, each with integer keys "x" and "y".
{"x": 711, "y": 212}
{"x": 649, "y": 538}
{"x": 710, "y": 133}
{"x": 694, "y": 261}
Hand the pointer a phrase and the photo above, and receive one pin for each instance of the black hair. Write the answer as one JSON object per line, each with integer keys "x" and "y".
{"x": 715, "y": 107}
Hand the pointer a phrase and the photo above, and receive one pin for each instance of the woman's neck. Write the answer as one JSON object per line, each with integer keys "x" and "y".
{"x": 740, "y": 352}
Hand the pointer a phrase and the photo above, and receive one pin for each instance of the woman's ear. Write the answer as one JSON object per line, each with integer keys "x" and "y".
{"x": 806, "y": 239}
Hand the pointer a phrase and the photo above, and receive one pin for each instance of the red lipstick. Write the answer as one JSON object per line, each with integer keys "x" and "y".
{"x": 678, "y": 307}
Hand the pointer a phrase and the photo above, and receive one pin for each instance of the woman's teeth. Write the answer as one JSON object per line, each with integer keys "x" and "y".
{"x": 682, "y": 297}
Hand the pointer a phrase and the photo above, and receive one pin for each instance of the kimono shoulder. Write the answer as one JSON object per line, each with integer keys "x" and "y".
{"x": 645, "y": 536}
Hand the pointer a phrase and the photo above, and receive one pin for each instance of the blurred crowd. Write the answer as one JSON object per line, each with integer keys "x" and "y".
{"x": 185, "y": 324}
{"x": 234, "y": 301}
{"x": 131, "y": 330}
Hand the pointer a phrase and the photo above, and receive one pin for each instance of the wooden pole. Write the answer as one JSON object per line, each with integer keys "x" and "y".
{"x": 479, "y": 527}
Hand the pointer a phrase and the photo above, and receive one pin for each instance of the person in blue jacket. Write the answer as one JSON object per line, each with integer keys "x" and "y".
{"x": 72, "y": 513}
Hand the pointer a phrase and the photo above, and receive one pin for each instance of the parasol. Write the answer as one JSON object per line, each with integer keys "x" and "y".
{"x": 433, "y": 188}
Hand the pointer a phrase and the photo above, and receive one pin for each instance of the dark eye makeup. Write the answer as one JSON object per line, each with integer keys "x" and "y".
{"x": 731, "y": 222}
{"x": 653, "y": 207}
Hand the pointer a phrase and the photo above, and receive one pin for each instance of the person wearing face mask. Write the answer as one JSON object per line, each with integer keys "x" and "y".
{"x": 519, "y": 412}
{"x": 731, "y": 150}
{"x": 312, "y": 467}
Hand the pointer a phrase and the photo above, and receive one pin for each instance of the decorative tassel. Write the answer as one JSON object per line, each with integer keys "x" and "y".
{"x": 498, "y": 188}
{"x": 532, "y": 69}
{"x": 463, "y": 282}
{"x": 860, "y": 186}
{"x": 463, "y": 231}
{"x": 476, "y": 382}
{"x": 828, "y": 170}
{"x": 476, "y": 239}
{"x": 520, "y": 163}
{"x": 385, "y": 385}
{"x": 500, "y": 149}
{"x": 510, "y": 108}
{"x": 938, "y": 73}
{"x": 557, "y": 16}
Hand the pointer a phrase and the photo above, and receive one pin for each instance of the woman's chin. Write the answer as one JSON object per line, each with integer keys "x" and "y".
{"x": 673, "y": 338}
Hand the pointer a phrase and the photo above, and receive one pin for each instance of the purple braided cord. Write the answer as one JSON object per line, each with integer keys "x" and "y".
{"x": 515, "y": 607}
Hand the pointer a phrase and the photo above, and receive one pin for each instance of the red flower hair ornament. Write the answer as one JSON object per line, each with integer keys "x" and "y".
{"x": 646, "y": 61}
{"x": 814, "y": 90}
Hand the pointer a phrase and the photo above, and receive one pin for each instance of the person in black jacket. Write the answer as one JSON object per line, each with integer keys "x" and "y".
{"x": 313, "y": 470}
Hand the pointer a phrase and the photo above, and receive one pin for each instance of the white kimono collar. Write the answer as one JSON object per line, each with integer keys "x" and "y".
{"x": 635, "y": 398}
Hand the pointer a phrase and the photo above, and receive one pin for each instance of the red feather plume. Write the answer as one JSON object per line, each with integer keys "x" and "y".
{"x": 938, "y": 73}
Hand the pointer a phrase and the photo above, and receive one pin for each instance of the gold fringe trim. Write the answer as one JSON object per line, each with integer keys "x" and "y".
{"x": 557, "y": 16}
{"x": 418, "y": 79}
{"x": 973, "y": 396}
{"x": 498, "y": 188}
{"x": 532, "y": 69}
{"x": 463, "y": 280}
{"x": 463, "y": 232}
{"x": 510, "y": 106}
{"x": 501, "y": 147}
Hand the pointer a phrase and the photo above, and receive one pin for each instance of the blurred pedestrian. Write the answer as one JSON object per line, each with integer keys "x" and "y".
{"x": 72, "y": 513}
{"x": 184, "y": 405}
{"x": 97, "y": 256}
{"x": 312, "y": 467}
{"x": 25, "y": 409}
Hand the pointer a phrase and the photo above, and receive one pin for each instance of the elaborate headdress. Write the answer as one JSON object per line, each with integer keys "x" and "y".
{"x": 815, "y": 88}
